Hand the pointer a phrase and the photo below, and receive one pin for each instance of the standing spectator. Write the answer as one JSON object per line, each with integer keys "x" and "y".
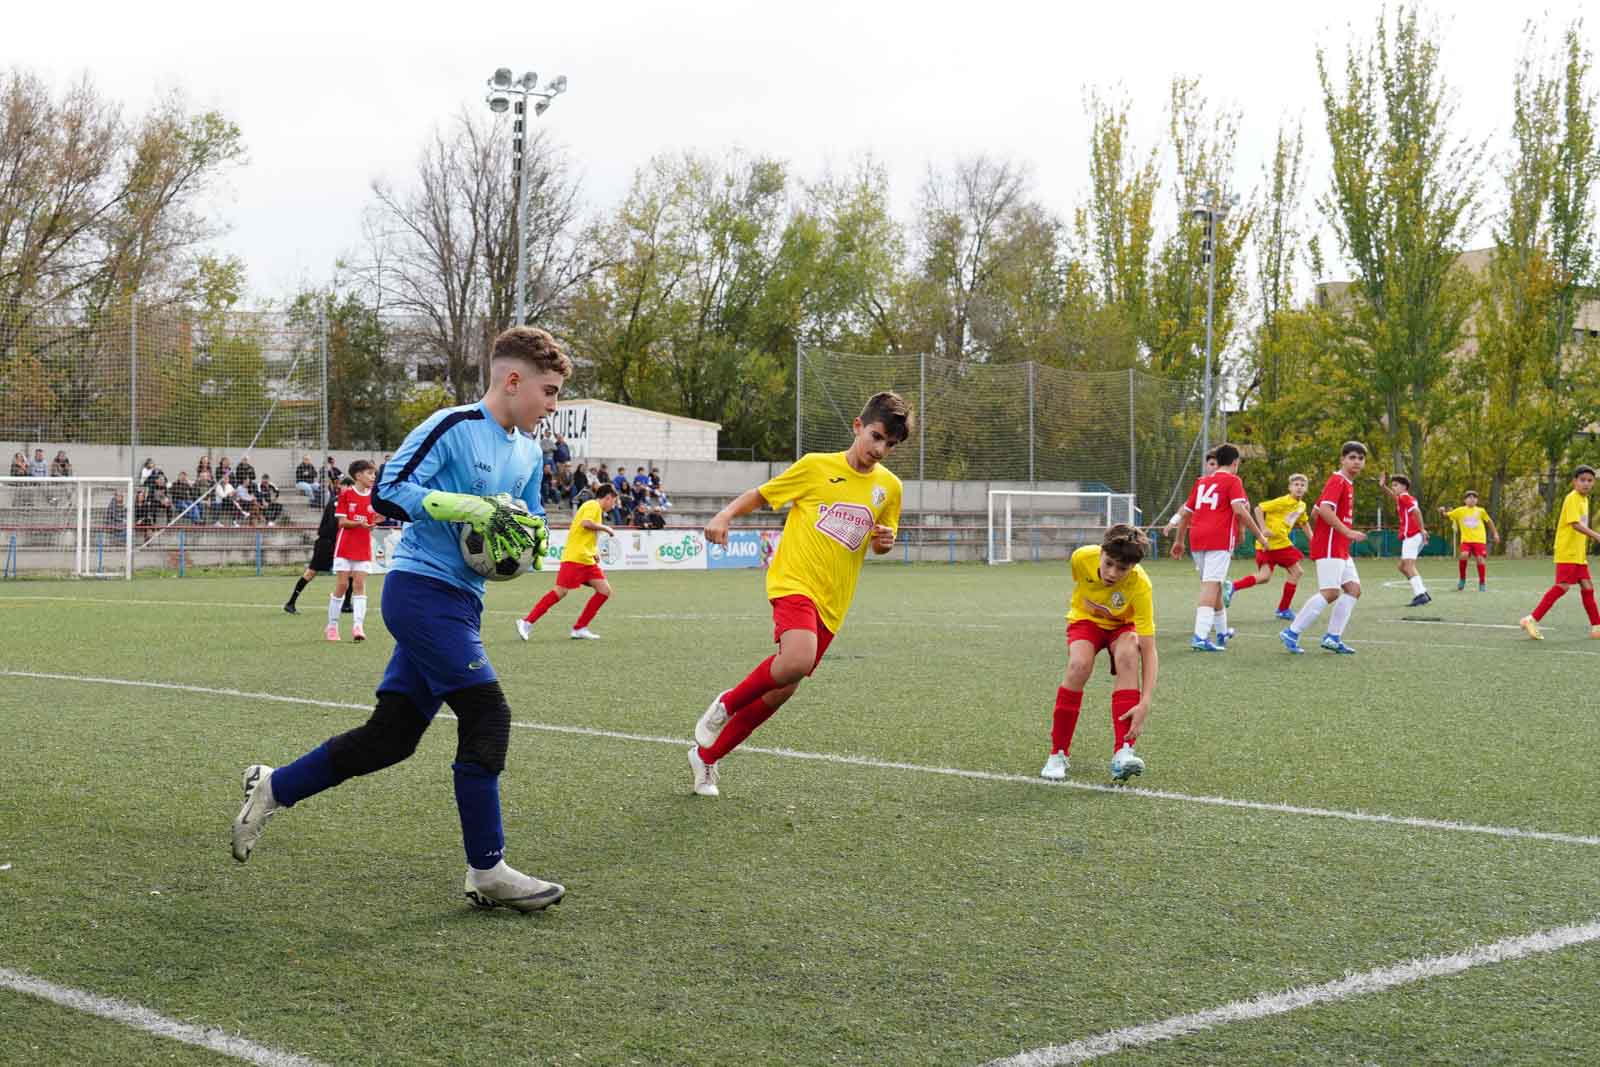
{"x": 563, "y": 454}
{"x": 61, "y": 466}
{"x": 547, "y": 445}
{"x": 151, "y": 475}
{"x": 267, "y": 497}
{"x": 38, "y": 468}
{"x": 19, "y": 465}
{"x": 330, "y": 477}
{"x": 305, "y": 480}
{"x": 147, "y": 471}
{"x": 580, "y": 481}
{"x": 245, "y": 472}
{"x": 116, "y": 516}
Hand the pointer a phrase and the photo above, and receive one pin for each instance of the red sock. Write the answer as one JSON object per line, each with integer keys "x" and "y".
{"x": 545, "y": 603}
{"x": 1481, "y": 573}
{"x": 1462, "y": 567}
{"x": 756, "y": 684}
{"x": 741, "y": 724}
{"x": 590, "y": 610}
{"x": 1121, "y": 701}
{"x": 1244, "y": 583}
{"x": 1287, "y": 598}
{"x": 1591, "y": 607}
{"x": 1065, "y": 720}
{"x": 1551, "y": 595}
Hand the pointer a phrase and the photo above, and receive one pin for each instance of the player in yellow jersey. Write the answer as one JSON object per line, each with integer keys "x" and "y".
{"x": 1573, "y": 534}
{"x": 580, "y": 565}
{"x": 1280, "y": 516}
{"x": 1470, "y": 521}
{"x": 844, "y": 503}
{"x": 1112, "y": 608}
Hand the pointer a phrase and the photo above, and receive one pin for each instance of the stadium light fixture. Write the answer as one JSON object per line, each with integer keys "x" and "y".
{"x": 501, "y": 89}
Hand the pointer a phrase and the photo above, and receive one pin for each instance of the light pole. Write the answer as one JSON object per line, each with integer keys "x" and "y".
{"x": 1209, "y": 212}
{"x": 501, "y": 89}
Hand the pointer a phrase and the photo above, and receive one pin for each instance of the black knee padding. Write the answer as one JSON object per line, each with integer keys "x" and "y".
{"x": 484, "y": 733}
{"x": 382, "y": 741}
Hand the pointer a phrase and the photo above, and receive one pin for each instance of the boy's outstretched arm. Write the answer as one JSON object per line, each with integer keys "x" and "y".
{"x": 749, "y": 501}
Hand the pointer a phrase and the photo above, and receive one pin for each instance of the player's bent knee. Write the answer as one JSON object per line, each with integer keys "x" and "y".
{"x": 388, "y": 737}
{"x": 484, "y": 732}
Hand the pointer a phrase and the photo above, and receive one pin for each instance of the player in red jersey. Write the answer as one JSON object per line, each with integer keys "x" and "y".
{"x": 352, "y": 552}
{"x": 1337, "y": 581}
{"x": 1216, "y": 504}
{"x": 1413, "y": 538}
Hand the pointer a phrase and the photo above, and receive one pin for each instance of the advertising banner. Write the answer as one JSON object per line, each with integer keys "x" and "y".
{"x": 744, "y": 549}
{"x": 640, "y": 550}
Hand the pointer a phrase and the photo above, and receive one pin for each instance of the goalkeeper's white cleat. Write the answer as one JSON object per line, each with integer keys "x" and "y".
{"x": 705, "y": 775}
{"x": 711, "y": 723}
{"x": 503, "y": 886}
{"x": 259, "y": 806}
{"x": 1056, "y": 767}
{"x": 1125, "y": 765}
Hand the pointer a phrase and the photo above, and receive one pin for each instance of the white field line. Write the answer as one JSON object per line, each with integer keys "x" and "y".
{"x": 1270, "y": 1004}
{"x": 1447, "y": 622}
{"x": 120, "y": 1011}
{"x": 1376, "y": 818}
{"x": 1357, "y": 641}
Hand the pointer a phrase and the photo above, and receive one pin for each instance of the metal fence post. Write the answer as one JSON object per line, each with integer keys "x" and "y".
{"x": 922, "y": 438}
{"x": 1032, "y": 478}
{"x": 322, "y": 330}
{"x": 799, "y": 386}
{"x": 1133, "y": 446}
{"x": 133, "y": 392}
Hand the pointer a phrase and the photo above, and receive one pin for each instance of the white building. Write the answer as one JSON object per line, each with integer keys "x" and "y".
{"x": 601, "y": 430}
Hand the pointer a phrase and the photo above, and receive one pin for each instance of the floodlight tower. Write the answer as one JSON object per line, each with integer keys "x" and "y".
{"x": 1214, "y": 208}
{"x": 501, "y": 89}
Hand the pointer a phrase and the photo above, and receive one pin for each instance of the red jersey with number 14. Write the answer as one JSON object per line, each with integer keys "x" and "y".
{"x": 1410, "y": 516}
{"x": 355, "y": 542}
{"x": 1326, "y": 542}
{"x": 1211, "y": 504}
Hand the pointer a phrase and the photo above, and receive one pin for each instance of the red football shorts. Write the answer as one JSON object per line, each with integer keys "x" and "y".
{"x": 572, "y": 575}
{"x": 796, "y": 612}
{"x": 1278, "y": 557}
{"x": 1571, "y": 573}
{"x": 1097, "y": 635}
{"x": 1475, "y": 548}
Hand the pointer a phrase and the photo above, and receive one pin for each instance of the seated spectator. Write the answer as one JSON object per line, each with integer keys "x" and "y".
{"x": 202, "y": 469}
{"x": 159, "y": 501}
{"x": 641, "y": 480}
{"x": 61, "y": 466}
{"x": 620, "y": 480}
{"x": 225, "y": 470}
{"x": 244, "y": 501}
{"x": 305, "y": 480}
{"x": 655, "y": 477}
{"x": 38, "y": 468}
{"x": 183, "y": 494}
{"x": 654, "y": 519}
{"x": 151, "y": 475}
{"x": 147, "y": 471}
{"x": 563, "y": 486}
{"x": 267, "y": 498}
{"x": 245, "y": 472}
{"x": 330, "y": 479}
{"x": 19, "y": 465}
{"x": 141, "y": 508}
{"x": 222, "y": 507}
{"x": 661, "y": 499}
{"x": 547, "y": 485}
{"x": 563, "y": 454}
{"x": 116, "y": 515}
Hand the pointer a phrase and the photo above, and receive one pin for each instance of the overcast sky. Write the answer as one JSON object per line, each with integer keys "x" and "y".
{"x": 330, "y": 96}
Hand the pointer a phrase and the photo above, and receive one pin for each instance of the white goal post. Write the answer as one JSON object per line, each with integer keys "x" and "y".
{"x": 81, "y": 527}
{"x": 1051, "y": 524}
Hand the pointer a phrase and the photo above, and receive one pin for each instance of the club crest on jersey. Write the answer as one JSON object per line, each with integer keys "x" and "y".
{"x": 879, "y": 495}
{"x": 847, "y": 524}
{"x": 1118, "y": 601}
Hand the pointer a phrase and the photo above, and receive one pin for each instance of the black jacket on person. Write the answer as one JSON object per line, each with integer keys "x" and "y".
{"x": 329, "y": 529}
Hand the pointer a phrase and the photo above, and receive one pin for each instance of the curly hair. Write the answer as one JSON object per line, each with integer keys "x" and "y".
{"x": 1125, "y": 544}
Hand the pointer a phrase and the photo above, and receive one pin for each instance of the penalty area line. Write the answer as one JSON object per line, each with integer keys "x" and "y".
{"x": 140, "y": 1018}
{"x": 1267, "y": 1005}
{"x": 1265, "y": 807}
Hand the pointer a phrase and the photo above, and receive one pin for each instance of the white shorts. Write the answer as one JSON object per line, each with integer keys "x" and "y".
{"x": 1411, "y": 547}
{"x": 1335, "y": 573}
{"x": 1212, "y": 565}
{"x": 357, "y": 566}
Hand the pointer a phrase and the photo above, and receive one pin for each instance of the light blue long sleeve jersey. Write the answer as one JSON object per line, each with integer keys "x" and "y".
{"x": 459, "y": 450}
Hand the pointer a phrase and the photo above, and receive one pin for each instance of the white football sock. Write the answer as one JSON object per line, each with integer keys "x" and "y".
{"x": 1417, "y": 588}
{"x": 359, "y": 603}
{"x": 1221, "y": 620}
{"x": 1202, "y": 622}
{"x": 1340, "y": 616}
{"x": 334, "y": 606}
{"x": 1308, "y": 613}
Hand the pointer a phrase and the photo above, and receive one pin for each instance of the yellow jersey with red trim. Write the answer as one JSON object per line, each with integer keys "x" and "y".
{"x": 828, "y": 530}
{"x": 1283, "y": 514}
{"x": 1469, "y": 523}
{"x": 1572, "y": 546}
{"x": 581, "y": 543}
{"x": 1130, "y": 599}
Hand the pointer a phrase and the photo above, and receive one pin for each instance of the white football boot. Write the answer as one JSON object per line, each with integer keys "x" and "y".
{"x": 584, "y": 634}
{"x": 259, "y": 806}
{"x": 1125, "y": 764}
{"x": 711, "y": 723}
{"x": 503, "y": 886}
{"x": 524, "y": 629}
{"x": 1056, "y": 767}
{"x": 705, "y": 775}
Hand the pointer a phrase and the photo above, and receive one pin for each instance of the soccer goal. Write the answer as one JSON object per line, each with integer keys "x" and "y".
{"x": 52, "y": 527}
{"x": 1030, "y": 524}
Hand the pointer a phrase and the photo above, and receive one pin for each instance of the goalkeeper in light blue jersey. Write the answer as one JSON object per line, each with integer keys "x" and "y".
{"x": 468, "y": 465}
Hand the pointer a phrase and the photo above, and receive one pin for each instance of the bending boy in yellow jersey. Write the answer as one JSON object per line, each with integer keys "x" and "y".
{"x": 1470, "y": 521}
{"x": 1280, "y": 516}
{"x": 844, "y": 503}
{"x": 1573, "y": 534}
{"x": 1112, "y": 608}
{"x": 580, "y": 565}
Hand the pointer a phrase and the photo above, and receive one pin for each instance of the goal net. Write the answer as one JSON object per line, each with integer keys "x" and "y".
{"x": 1028, "y": 524}
{"x": 60, "y": 527}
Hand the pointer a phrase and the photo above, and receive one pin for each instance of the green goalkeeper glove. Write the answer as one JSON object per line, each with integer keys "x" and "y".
{"x": 508, "y": 529}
